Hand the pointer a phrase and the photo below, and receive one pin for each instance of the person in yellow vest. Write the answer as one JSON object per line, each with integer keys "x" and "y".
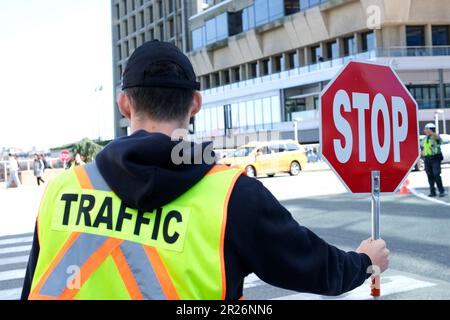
{"x": 154, "y": 217}
{"x": 431, "y": 152}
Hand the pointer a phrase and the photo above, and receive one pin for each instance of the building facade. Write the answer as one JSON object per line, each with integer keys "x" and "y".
{"x": 137, "y": 21}
{"x": 263, "y": 63}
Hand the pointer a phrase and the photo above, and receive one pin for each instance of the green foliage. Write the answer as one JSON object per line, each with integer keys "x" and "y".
{"x": 87, "y": 148}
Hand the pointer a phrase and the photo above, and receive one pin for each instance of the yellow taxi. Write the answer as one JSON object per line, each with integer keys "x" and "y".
{"x": 268, "y": 158}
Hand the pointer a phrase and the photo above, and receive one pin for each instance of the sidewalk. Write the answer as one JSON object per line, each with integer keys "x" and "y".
{"x": 18, "y": 209}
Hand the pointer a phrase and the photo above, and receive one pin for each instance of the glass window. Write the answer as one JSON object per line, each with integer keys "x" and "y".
{"x": 276, "y": 9}
{"x": 235, "y": 115}
{"x": 261, "y": 12}
{"x": 368, "y": 41}
{"x": 197, "y": 38}
{"x": 265, "y": 67}
{"x": 316, "y": 54}
{"x": 226, "y": 76}
{"x": 211, "y": 32}
{"x": 441, "y": 36}
{"x": 277, "y": 61}
{"x": 415, "y": 36}
{"x": 349, "y": 46}
{"x": 215, "y": 118}
{"x": 234, "y": 22}
{"x": 200, "y": 122}
{"x": 266, "y": 111}
{"x": 250, "y": 113}
{"x": 208, "y": 119}
{"x": 242, "y": 115}
{"x": 237, "y": 74}
{"x": 304, "y": 4}
{"x": 276, "y": 110}
{"x": 248, "y": 18}
{"x": 222, "y": 26}
{"x": 292, "y": 147}
{"x": 333, "y": 52}
{"x": 291, "y": 6}
{"x": 258, "y": 112}
{"x": 253, "y": 70}
{"x": 293, "y": 60}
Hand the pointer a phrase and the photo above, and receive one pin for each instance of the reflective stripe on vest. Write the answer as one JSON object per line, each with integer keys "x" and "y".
{"x": 430, "y": 147}
{"x": 146, "y": 272}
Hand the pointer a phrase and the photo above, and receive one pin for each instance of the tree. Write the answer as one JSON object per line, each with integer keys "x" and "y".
{"x": 86, "y": 148}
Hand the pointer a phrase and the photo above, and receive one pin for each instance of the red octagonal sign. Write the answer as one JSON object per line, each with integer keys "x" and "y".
{"x": 369, "y": 123}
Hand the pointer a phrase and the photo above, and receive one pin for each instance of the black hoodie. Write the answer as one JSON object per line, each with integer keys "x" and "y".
{"x": 261, "y": 236}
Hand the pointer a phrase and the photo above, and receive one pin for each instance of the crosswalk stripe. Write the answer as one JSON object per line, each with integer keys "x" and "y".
{"x": 12, "y": 274}
{"x": 13, "y": 260}
{"x": 16, "y": 240}
{"x": 10, "y": 294}
{"x": 15, "y": 249}
{"x": 390, "y": 285}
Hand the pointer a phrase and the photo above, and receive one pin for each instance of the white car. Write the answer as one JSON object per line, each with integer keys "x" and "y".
{"x": 445, "y": 147}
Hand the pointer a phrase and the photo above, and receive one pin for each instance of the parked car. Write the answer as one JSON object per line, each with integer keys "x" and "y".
{"x": 269, "y": 158}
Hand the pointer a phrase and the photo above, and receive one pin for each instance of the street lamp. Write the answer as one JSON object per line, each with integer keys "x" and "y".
{"x": 436, "y": 119}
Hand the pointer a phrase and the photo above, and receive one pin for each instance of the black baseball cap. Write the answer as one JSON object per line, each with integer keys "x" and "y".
{"x": 136, "y": 71}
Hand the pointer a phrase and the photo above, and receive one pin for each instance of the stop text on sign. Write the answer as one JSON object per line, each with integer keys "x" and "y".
{"x": 360, "y": 102}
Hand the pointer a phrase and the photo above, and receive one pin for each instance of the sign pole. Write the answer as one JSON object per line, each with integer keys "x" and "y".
{"x": 376, "y": 224}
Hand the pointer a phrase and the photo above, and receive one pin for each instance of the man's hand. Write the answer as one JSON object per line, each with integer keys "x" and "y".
{"x": 377, "y": 252}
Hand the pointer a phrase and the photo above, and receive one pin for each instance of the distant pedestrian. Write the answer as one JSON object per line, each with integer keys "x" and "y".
{"x": 78, "y": 161}
{"x": 13, "y": 166}
{"x": 38, "y": 169}
{"x": 47, "y": 165}
{"x": 431, "y": 151}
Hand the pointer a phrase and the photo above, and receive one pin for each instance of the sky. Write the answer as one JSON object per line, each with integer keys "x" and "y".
{"x": 53, "y": 56}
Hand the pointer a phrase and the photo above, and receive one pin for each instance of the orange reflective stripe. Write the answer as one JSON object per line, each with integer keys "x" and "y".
{"x": 218, "y": 168}
{"x": 126, "y": 274}
{"x": 161, "y": 273}
{"x": 83, "y": 178}
{"x": 91, "y": 265}
{"x": 35, "y": 293}
{"x": 222, "y": 234}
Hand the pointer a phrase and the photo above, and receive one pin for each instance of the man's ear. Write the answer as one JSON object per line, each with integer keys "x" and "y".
{"x": 196, "y": 103}
{"x": 124, "y": 105}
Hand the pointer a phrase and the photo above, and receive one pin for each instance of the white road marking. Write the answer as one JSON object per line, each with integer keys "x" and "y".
{"x": 389, "y": 285}
{"x": 15, "y": 249}
{"x": 10, "y": 294}
{"x": 422, "y": 196}
{"x": 13, "y": 260}
{"x": 12, "y": 274}
{"x": 16, "y": 240}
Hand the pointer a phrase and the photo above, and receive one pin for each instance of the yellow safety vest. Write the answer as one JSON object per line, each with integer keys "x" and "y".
{"x": 431, "y": 147}
{"x": 92, "y": 246}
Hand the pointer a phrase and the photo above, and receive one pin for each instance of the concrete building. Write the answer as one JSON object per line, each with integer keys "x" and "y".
{"x": 137, "y": 21}
{"x": 263, "y": 63}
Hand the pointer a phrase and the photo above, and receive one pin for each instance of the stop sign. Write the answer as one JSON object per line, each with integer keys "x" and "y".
{"x": 369, "y": 123}
{"x": 64, "y": 155}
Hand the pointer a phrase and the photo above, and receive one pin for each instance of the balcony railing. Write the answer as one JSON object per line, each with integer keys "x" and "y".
{"x": 414, "y": 51}
{"x": 369, "y": 55}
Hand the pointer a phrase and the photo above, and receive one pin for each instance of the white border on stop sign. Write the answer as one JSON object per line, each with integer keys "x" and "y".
{"x": 320, "y": 124}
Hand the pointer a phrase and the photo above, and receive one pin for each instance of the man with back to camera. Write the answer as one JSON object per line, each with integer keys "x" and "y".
{"x": 431, "y": 151}
{"x": 138, "y": 226}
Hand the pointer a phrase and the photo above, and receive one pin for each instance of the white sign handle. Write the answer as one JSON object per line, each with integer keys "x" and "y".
{"x": 376, "y": 287}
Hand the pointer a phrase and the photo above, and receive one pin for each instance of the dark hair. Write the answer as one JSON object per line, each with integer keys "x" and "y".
{"x": 162, "y": 104}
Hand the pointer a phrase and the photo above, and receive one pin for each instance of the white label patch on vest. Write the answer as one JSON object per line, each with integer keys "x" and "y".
{"x": 97, "y": 212}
